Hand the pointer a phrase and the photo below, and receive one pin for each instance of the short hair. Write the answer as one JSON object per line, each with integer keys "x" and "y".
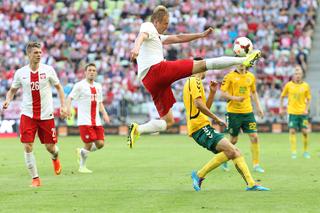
{"x": 89, "y": 65}
{"x": 32, "y": 44}
{"x": 158, "y": 13}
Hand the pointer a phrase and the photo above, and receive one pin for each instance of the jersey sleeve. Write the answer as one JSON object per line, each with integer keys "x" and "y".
{"x": 285, "y": 91}
{"x": 75, "y": 92}
{"x": 16, "y": 83}
{"x": 225, "y": 83}
{"x": 163, "y": 37}
{"x": 146, "y": 28}
{"x": 54, "y": 80}
{"x": 195, "y": 87}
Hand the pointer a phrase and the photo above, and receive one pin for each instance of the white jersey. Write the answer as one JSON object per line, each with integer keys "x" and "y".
{"x": 88, "y": 97}
{"x": 36, "y": 86}
{"x": 151, "y": 50}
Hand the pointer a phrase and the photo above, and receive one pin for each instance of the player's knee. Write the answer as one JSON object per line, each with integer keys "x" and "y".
{"x": 234, "y": 140}
{"x": 231, "y": 153}
{"x": 28, "y": 147}
{"x": 100, "y": 145}
{"x": 292, "y": 131}
{"x": 254, "y": 139}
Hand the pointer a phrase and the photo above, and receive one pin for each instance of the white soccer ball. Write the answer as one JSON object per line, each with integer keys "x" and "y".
{"x": 242, "y": 46}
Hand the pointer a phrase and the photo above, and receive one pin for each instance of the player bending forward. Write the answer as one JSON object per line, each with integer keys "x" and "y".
{"x": 157, "y": 74}
{"x": 88, "y": 94}
{"x": 36, "y": 80}
{"x": 199, "y": 128}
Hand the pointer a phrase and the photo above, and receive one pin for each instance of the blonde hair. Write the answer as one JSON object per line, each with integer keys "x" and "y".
{"x": 32, "y": 44}
{"x": 158, "y": 13}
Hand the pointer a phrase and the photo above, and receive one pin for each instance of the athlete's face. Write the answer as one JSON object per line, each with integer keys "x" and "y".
{"x": 91, "y": 73}
{"x": 241, "y": 68}
{"x": 162, "y": 25}
{"x": 34, "y": 55}
{"x": 298, "y": 74}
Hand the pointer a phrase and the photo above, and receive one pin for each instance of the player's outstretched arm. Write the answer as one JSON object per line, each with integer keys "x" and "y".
{"x": 205, "y": 110}
{"x": 10, "y": 94}
{"x": 137, "y": 44}
{"x": 63, "y": 111}
{"x": 104, "y": 113}
{"x": 173, "y": 39}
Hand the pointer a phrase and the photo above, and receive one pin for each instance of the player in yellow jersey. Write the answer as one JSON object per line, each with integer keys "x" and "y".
{"x": 199, "y": 128}
{"x": 237, "y": 87}
{"x": 299, "y": 96}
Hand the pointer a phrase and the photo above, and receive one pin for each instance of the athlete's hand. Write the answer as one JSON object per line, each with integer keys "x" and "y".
{"x": 221, "y": 122}
{"x": 63, "y": 112}
{"x": 207, "y": 32}
{"x": 260, "y": 113}
{"x": 5, "y": 105}
{"x": 134, "y": 54}
{"x": 306, "y": 112}
{"x": 106, "y": 119}
{"x": 238, "y": 98}
{"x": 213, "y": 86}
{"x": 282, "y": 112}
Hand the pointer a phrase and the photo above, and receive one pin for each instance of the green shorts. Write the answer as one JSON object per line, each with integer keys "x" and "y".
{"x": 298, "y": 122}
{"x": 208, "y": 138}
{"x": 237, "y": 121}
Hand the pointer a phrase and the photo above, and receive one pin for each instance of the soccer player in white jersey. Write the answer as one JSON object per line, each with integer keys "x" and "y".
{"x": 157, "y": 74}
{"x": 36, "y": 80}
{"x": 88, "y": 94}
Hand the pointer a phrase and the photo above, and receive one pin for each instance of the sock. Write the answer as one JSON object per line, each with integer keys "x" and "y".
{"x": 223, "y": 62}
{"x": 305, "y": 143}
{"x": 216, "y": 161}
{"x": 83, "y": 157}
{"x": 293, "y": 143}
{"x": 152, "y": 126}
{"x": 243, "y": 169}
{"x": 31, "y": 164}
{"x": 255, "y": 150}
{"x": 54, "y": 156}
{"x": 93, "y": 147}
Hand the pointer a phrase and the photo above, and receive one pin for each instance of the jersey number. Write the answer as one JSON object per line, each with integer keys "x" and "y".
{"x": 35, "y": 85}
{"x": 253, "y": 126}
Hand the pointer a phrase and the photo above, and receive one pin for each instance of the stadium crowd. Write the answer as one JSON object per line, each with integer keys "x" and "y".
{"x": 101, "y": 31}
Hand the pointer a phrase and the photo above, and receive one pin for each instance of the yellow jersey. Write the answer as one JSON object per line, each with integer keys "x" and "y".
{"x": 193, "y": 89}
{"x": 237, "y": 84}
{"x": 297, "y": 94}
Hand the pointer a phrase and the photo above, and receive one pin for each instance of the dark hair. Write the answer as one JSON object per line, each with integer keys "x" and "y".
{"x": 158, "y": 13}
{"x": 32, "y": 44}
{"x": 197, "y": 58}
{"x": 89, "y": 65}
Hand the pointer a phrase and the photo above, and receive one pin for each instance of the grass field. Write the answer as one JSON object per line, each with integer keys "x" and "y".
{"x": 155, "y": 177}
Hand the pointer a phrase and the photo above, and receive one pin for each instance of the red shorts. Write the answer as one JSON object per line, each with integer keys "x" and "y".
{"x": 46, "y": 130}
{"x": 159, "y": 79}
{"x": 91, "y": 133}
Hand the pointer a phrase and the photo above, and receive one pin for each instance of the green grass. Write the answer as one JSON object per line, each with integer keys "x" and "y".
{"x": 155, "y": 177}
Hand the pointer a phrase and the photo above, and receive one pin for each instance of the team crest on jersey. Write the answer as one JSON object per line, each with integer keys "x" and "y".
{"x": 87, "y": 136}
{"x": 43, "y": 76}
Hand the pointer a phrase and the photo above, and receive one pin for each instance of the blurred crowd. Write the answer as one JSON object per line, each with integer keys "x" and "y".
{"x": 74, "y": 33}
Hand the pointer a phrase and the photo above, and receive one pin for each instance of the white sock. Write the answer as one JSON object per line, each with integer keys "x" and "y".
{"x": 153, "y": 126}
{"x": 223, "y": 62}
{"x": 31, "y": 164}
{"x": 55, "y": 154}
{"x": 93, "y": 147}
{"x": 83, "y": 157}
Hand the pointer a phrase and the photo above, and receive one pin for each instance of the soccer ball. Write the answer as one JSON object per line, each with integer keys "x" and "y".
{"x": 242, "y": 46}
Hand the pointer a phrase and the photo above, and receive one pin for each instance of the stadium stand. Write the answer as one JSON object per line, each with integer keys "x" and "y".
{"x": 76, "y": 32}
